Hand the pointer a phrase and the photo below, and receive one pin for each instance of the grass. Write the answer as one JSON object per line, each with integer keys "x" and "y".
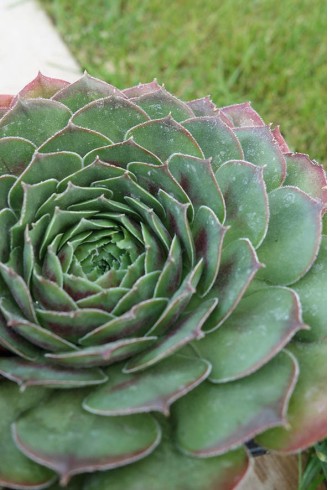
{"x": 315, "y": 471}
{"x": 272, "y": 53}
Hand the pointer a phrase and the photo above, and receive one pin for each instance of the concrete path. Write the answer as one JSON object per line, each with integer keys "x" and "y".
{"x": 29, "y": 43}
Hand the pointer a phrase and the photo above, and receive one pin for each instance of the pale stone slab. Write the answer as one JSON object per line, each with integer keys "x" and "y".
{"x": 29, "y": 43}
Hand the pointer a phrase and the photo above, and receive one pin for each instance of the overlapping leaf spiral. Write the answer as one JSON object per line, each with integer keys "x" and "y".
{"x": 153, "y": 252}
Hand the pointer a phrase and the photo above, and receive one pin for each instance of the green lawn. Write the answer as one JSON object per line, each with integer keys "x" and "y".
{"x": 269, "y": 52}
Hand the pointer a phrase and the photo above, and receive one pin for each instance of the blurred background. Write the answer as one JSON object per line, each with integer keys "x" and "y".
{"x": 272, "y": 53}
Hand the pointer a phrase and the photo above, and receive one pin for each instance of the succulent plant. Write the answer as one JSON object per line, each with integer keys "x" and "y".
{"x": 162, "y": 277}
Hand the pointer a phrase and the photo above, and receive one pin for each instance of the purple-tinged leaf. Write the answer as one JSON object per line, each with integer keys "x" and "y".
{"x": 51, "y": 296}
{"x": 239, "y": 264}
{"x": 41, "y": 86}
{"x": 74, "y": 324}
{"x": 276, "y": 133}
{"x": 307, "y": 176}
{"x": 208, "y": 235}
{"x": 307, "y": 411}
{"x": 242, "y": 115}
{"x": 84, "y": 91}
{"x": 203, "y": 107}
{"x": 141, "y": 89}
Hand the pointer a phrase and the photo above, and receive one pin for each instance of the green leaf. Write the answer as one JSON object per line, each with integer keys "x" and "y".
{"x": 75, "y": 139}
{"x": 103, "y": 355}
{"x": 166, "y": 468}
{"x": 136, "y": 321}
{"x": 15, "y": 155}
{"x": 246, "y": 200}
{"x": 7, "y": 220}
{"x": 121, "y": 154}
{"x": 81, "y": 441}
{"x": 295, "y": 225}
{"x": 152, "y": 390}
{"x": 19, "y": 291}
{"x": 27, "y": 374}
{"x": 187, "y": 328}
{"x": 15, "y": 343}
{"x": 238, "y": 266}
{"x": 197, "y": 179}
{"x": 267, "y": 319}
{"x": 34, "y": 119}
{"x": 50, "y": 166}
{"x": 308, "y": 405}
{"x": 74, "y": 324}
{"x": 84, "y": 91}
{"x": 112, "y": 117}
{"x": 262, "y": 149}
{"x": 174, "y": 138}
{"x": 16, "y": 470}
{"x": 204, "y": 425}
{"x": 216, "y": 140}
{"x": 312, "y": 290}
{"x": 6, "y": 183}
{"x": 306, "y": 175}
{"x": 161, "y": 103}
{"x": 208, "y": 235}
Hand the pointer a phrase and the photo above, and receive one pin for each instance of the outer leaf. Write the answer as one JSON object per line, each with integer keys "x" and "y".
{"x": 246, "y": 200}
{"x": 295, "y": 224}
{"x": 16, "y": 470}
{"x": 312, "y": 290}
{"x": 261, "y": 148}
{"x": 306, "y": 175}
{"x": 267, "y": 319}
{"x": 15, "y": 154}
{"x": 174, "y": 138}
{"x": 206, "y": 428}
{"x": 34, "y": 119}
{"x": 161, "y": 103}
{"x": 167, "y": 469}
{"x": 216, "y": 140}
{"x": 112, "y": 117}
{"x": 82, "y": 442}
{"x": 307, "y": 412}
{"x": 85, "y": 90}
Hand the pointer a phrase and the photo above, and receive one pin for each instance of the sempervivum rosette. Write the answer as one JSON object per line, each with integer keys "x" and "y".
{"x": 153, "y": 253}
